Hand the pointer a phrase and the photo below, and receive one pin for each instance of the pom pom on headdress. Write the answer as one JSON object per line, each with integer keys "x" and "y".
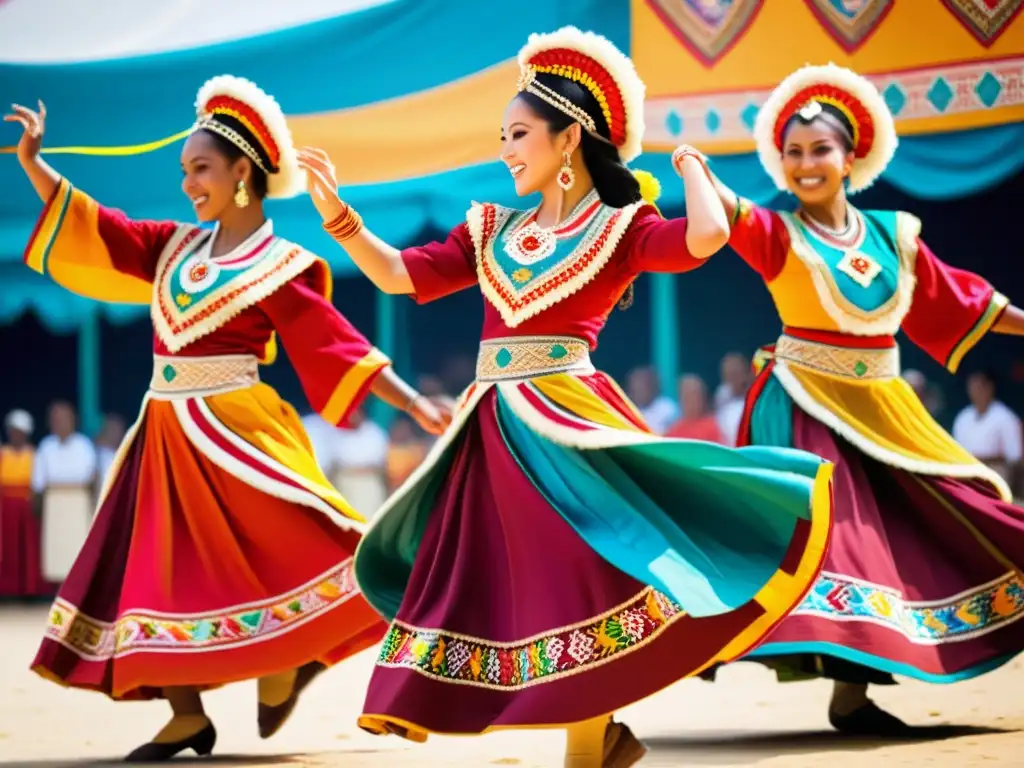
{"x": 808, "y": 92}
{"x": 252, "y": 120}
{"x": 596, "y": 64}
{"x": 650, "y": 187}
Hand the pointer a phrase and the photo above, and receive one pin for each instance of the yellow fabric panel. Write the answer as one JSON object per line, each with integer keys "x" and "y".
{"x": 271, "y": 425}
{"x": 67, "y": 245}
{"x": 887, "y": 413}
{"x": 784, "y": 591}
{"x": 452, "y": 126}
{"x": 784, "y": 35}
{"x": 577, "y": 398}
{"x": 796, "y": 298}
{"x": 996, "y": 306}
{"x": 352, "y": 383}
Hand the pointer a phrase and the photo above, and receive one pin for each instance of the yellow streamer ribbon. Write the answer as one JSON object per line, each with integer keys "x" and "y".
{"x": 136, "y": 149}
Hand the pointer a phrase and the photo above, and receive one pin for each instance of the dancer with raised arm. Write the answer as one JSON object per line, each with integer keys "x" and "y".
{"x": 923, "y": 577}
{"x": 219, "y": 551}
{"x": 552, "y": 560}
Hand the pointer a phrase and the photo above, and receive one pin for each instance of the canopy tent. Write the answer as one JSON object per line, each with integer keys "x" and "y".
{"x": 406, "y": 96}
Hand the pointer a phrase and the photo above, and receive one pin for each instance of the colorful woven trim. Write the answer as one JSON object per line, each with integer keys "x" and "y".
{"x": 229, "y": 627}
{"x": 845, "y": 362}
{"x": 966, "y": 615}
{"x": 852, "y": 109}
{"x": 455, "y": 658}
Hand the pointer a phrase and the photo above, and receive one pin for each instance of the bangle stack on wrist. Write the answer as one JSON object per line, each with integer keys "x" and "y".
{"x": 345, "y": 225}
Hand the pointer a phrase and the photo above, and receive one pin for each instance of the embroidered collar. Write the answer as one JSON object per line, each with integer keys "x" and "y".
{"x": 524, "y": 269}
{"x": 194, "y": 293}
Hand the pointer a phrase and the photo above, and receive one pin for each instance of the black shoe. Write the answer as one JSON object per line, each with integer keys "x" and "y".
{"x": 270, "y": 719}
{"x": 156, "y": 752}
{"x": 869, "y": 720}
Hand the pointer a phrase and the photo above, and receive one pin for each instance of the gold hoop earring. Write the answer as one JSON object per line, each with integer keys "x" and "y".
{"x": 566, "y": 176}
{"x": 241, "y": 195}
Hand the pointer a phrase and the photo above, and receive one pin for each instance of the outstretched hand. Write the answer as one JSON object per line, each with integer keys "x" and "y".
{"x": 33, "y": 127}
{"x": 321, "y": 182}
{"x": 432, "y": 417}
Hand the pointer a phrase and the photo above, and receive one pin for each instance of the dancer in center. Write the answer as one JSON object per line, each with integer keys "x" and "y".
{"x": 552, "y": 561}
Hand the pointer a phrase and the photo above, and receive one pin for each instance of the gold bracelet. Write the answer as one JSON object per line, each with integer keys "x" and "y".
{"x": 345, "y": 225}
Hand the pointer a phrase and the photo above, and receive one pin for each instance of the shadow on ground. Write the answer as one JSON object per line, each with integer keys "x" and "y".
{"x": 719, "y": 747}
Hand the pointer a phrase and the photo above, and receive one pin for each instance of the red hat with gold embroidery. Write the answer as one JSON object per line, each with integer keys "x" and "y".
{"x": 252, "y": 120}
{"x": 595, "y": 63}
{"x": 845, "y": 96}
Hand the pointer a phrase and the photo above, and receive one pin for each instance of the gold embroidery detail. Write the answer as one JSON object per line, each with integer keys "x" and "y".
{"x": 529, "y": 356}
{"x": 845, "y": 362}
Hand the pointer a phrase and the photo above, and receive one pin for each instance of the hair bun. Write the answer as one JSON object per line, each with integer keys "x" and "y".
{"x": 650, "y": 187}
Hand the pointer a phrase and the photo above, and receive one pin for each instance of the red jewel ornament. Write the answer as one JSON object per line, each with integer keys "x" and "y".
{"x": 564, "y": 178}
{"x": 198, "y": 272}
{"x": 530, "y": 243}
{"x": 860, "y": 264}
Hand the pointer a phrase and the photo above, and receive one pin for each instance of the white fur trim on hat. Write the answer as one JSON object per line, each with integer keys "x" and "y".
{"x": 289, "y": 180}
{"x": 20, "y": 420}
{"x": 865, "y": 169}
{"x": 615, "y": 62}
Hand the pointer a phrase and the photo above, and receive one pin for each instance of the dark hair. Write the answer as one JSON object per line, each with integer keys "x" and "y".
{"x": 233, "y": 152}
{"x": 986, "y": 374}
{"x": 830, "y": 117}
{"x": 615, "y": 183}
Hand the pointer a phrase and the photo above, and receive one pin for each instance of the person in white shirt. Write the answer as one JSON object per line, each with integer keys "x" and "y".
{"x": 730, "y": 396}
{"x": 62, "y": 477}
{"x": 644, "y": 389}
{"x": 988, "y": 428}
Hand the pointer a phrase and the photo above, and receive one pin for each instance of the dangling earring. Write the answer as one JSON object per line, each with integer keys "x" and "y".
{"x": 566, "y": 177}
{"x": 241, "y": 195}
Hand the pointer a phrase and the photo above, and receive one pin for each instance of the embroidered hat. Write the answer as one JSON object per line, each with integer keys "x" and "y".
{"x": 596, "y": 64}
{"x": 848, "y": 97}
{"x": 252, "y": 120}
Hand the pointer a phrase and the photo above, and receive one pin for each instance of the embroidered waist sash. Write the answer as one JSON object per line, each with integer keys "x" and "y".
{"x": 846, "y": 362}
{"x": 183, "y": 377}
{"x": 525, "y": 357}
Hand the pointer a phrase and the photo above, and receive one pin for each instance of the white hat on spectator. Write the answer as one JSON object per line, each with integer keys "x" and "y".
{"x": 20, "y": 420}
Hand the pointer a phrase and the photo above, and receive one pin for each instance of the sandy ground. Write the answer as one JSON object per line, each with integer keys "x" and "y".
{"x": 744, "y": 719}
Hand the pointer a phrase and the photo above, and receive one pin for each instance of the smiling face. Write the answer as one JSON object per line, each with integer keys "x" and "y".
{"x": 210, "y": 178}
{"x": 815, "y": 161}
{"x": 532, "y": 153}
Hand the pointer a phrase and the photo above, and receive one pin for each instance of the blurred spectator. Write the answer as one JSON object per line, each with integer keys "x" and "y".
{"x": 736, "y": 375}
{"x": 929, "y": 395}
{"x": 20, "y": 572}
{"x": 359, "y": 454}
{"x": 107, "y": 442}
{"x": 644, "y": 389}
{"x": 62, "y": 478}
{"x": 988, "y": 428}
{"x": 408, "y": 446}
{"x": 698, "y": 422}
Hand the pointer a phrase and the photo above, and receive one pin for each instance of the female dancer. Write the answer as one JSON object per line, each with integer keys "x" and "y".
{"x": 20, "y": 546}
{"x": 552, "y": 561}
{"x": 923, "y": 576}
{"x": 219, "y": 551}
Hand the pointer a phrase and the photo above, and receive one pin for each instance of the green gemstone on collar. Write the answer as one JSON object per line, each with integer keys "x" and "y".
{"x": 860, "y": 368}
{"x": 169, "y": 373}
{"x": 557, "y": 352}
{"x": 503, "y": 358}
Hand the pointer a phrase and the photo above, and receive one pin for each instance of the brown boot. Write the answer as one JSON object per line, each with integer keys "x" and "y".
{"x": 621, "y": 748}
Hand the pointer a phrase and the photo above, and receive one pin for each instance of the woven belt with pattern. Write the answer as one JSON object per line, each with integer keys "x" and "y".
{"x": 524, "y": 357}
{"x": 845, "y": 362}
{"x": 181, "y": 377}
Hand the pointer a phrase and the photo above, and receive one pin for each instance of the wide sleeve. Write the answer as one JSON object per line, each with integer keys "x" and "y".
{"x": 439, "y": 269}
{"x": 95, "y": 251}
{"x": 760, "y": 238}
{"x": 952, "y": 309}
{"x": 656, "y": 244}
{"x": 335, "y": 363}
